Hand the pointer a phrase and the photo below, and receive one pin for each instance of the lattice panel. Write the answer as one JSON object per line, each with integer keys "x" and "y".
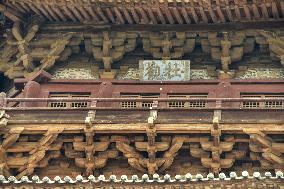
{"x": 274, "y": 104}
{"x": 69, "y": 104}
{"x": 269, "y": 104}
{"x": 129, "y": 104}
{"x": 196, "y": 104}
{"x": 176, "y": 104}
{"x": 148, "y": 104}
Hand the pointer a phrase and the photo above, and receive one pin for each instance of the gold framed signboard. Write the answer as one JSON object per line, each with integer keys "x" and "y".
{"x": 164, "y": 70}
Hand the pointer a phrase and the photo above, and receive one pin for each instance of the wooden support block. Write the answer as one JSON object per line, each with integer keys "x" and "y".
{"x": 108, "y": 75}
{"x": 224, "y": 146}
{"x": 161, "y": 146}
{"x": 198, "y": 152}
{"x": 224, "y": 163}
{"x": 99, "y": 146}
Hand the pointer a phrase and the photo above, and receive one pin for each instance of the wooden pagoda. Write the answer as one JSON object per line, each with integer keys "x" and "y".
{"x": 75, "y": 100}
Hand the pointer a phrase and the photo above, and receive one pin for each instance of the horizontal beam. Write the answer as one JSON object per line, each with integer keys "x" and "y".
{"x": 73, "y": 27}
{"x": 141, "y": 128}
{"x": 193, "y": 99}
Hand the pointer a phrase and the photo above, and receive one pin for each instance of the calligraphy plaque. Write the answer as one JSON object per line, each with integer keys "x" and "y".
{"x": 164, "y": 70}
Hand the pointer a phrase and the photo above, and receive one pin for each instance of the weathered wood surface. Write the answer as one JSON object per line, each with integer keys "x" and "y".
{"x": 141, "y": 12}
{"x": 25, "y": 55}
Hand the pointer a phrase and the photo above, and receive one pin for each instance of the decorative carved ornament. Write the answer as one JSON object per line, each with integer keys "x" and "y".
{"x": 28, "y": 52}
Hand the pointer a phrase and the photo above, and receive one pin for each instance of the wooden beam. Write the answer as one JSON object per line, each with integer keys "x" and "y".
{"x": 275, "y": 10}
{"x": 140, "y": 128}
{"x": 76, "y": 12}
{"x": 161, "y": 16}
{"x": 247, "y": 12}
{"x": 282, "y": 8}
{"x": 43, "y": 11}
{"x": 84, "y": 13}
{"x": 127, "y": 15}
{"x": 255, "y": 11}
{"x": 27, "y": 8}
{"x": 264, "y": 10}
{"x": 168, "y": 15}
{"x": 185, "y": 15}
{"x": 119, "y": 15}
{"x": 33, "y": 8}
{"x": 177, "y": 15}
{"x": 59, "y": 13}
{"x": 204, "y": 17}
{"x": 101, "y": 14}
{"x": 134, "y": 14}
{"x": 69, "y": 13}
{"x": 194, "y": 15}
{"x": 51, "y": 13}
{"x": 20, "y": 147}
{"x": 151, "y": 15}
{"x": 238, "y": 12}
{"x": 110, "y": 15}
{"x": 144, "y": 18}
{"x": 229, "y": 13}
{"x": 91, "y": 11}
{"x": 74, "y": 27}
{"x": 11, "y": 14}
{"x": 220, "y": 14}
{"x": 17, "y": 6}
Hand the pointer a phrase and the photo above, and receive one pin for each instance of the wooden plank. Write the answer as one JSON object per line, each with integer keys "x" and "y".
{"x": 264, "y": 10}
{"x": 282, "y": 8}
{"x": 98, "y": 146}
{"x": 151, "y": 15}
{"x": 101, "y": 14}
{"x": 161, "y": 16}
{"x": 20, "y": 147}
{"x": 11, "y": 14}
{"x": 185, "y": 15}
{"x": 177, "y": 15}
{"x": 135, "y": 15}
{"x": 84, "y": 13}
{"x": 69, "y": 13}
{"x": 24, "y": 6}
{"x": 119, "y": 15}
{"x": 255, "y": 11}
{"x": 220, "y": 14}
{"x": 141, "y": 128}
{"x": 92, "y": 13}
{"x": 59, "y": 13}
{"x": 76, "y": 12}
{"x": 194, "y": 15}
{"x": 247, "y": 12}
{"x": 51, "y": 13}
{"x": 44, "y": 12}
{"x": 204, "y": 17}
{"x": 35, "y": 10}
{"x": 238, "y": 12}
{"x": 275, "y": 10}
{"x": 16, "y": 6}
{"x": 229, "y": 13}
{"x": 168, "y": 15}
{"x": 110, "y": 15}
{"x": 127, "y": 15}
{"x": 144, "y": 18}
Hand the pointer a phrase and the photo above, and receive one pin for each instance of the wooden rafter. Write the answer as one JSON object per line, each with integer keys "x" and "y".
{"x": 11, "y": 14}
{"x": 207, "y": 11}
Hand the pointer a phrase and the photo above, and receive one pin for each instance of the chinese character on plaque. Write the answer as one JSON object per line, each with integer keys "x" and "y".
{"x": 164, "y": 70}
